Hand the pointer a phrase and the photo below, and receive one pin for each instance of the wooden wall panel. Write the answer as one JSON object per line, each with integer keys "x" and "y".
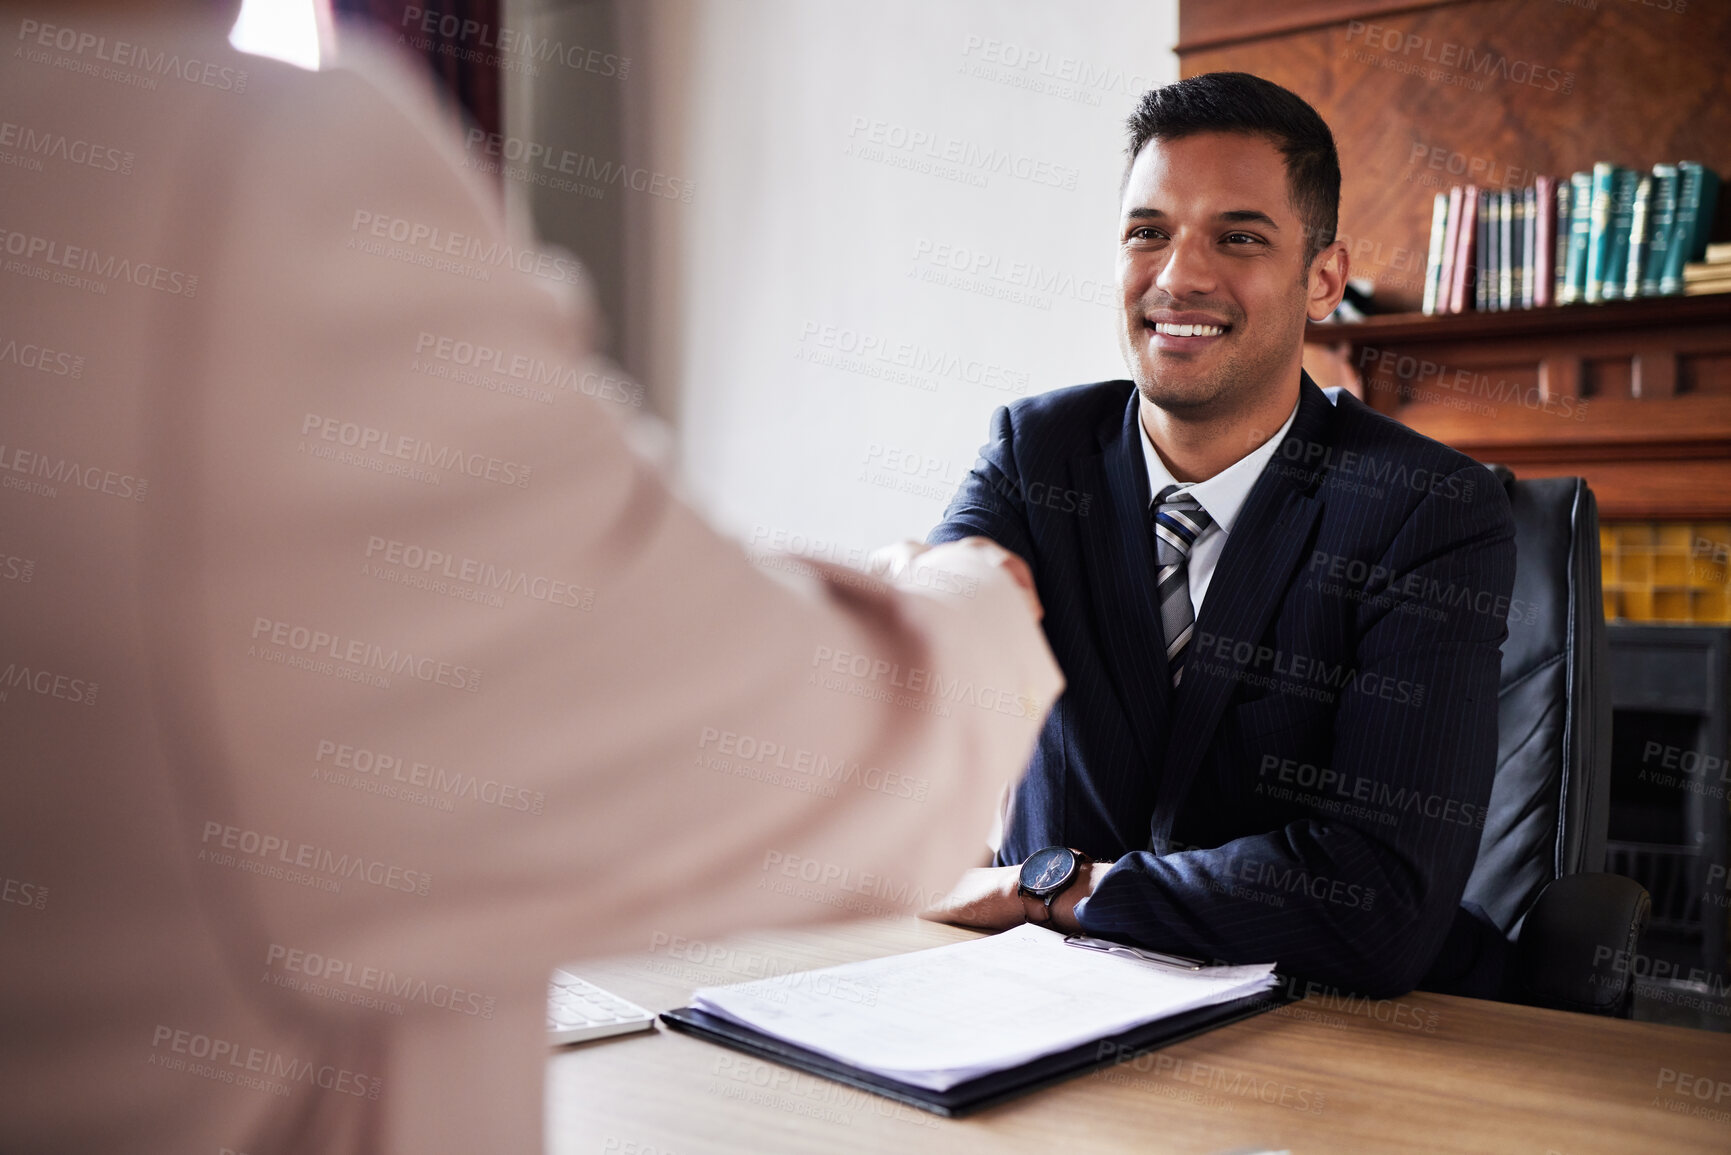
{"x": 1217, "y": 23}
{"x": 1491, "y": 90}
{"x": 1613, "y": 376}
{"x": 1704, "y": 373}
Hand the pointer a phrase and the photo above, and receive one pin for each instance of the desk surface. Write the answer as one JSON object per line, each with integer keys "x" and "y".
{"x": 1420, "y": 1073}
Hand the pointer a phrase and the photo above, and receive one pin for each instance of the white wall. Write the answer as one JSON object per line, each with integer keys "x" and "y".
{"x": 908, "y": 180}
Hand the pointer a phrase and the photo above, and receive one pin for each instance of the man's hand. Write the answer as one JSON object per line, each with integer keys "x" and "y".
{"x": 894, "y": 561}
{"x": 985, "y": 897}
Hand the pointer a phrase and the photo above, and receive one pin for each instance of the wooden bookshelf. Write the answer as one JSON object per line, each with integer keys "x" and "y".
{"x": 1635, "y": 396}
{"x": 1472, "y": 326}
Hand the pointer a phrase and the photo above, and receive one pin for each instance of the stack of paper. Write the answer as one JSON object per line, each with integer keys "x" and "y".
{"x": 939, "y": 1017}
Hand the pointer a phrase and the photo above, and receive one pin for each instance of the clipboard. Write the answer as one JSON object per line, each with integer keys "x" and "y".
{"x": 998, "y": 1086}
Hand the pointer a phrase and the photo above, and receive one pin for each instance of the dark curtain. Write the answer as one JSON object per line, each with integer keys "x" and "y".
{"x": 459, "y": 40}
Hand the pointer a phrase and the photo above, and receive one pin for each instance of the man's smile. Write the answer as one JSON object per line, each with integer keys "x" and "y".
{"x": 1184, "y": 332}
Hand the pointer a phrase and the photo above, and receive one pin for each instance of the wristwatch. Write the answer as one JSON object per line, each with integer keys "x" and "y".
{"x": 1050, "y": 872}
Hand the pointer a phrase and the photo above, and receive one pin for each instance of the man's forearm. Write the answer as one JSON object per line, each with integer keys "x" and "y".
{"x": 1362, "y": 922}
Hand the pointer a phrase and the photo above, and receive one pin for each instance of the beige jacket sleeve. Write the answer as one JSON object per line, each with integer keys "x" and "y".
{"x": 343, "y": 638}
{"x": 444, "y": 635}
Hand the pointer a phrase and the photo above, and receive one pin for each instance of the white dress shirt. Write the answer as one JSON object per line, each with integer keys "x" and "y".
{"x": 1221, "y": 495}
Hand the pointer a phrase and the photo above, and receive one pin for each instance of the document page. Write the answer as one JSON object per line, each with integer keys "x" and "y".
{"x": 938, "y": 1017}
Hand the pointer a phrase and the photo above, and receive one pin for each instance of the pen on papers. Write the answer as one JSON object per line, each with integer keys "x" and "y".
{"x": 1153, "y": 956}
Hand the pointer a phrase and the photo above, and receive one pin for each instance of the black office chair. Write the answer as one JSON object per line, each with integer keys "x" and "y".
{"x": 1569, "y": 933}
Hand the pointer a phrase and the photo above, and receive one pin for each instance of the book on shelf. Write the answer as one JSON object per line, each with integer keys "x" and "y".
{"x": 1697, "y": 197}
{"x": 1529, "y": 244}
{"x": 1640, "y": 236}
{"x": 1580, "y": 232}
{"x": 1451, "y": 238}
{"x": 1515, "y": 253}
{"x": 1599, "y": 232}
{"x": 1467, "y": 250}
{"x": 1617, "y": 227}
{"x": 1499, "y": 249}
{"x": 1555, "y": 253}
{"x": 1711, "y": 274}
{"x": 1490, "y": 239}
{"x": 1506, "y": 262}
{"x": 1662, "y": 211}
{"x": 1433, "y": 266}
{"x": 1605, "y": 234}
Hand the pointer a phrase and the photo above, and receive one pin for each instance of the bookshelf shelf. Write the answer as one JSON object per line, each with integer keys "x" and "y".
{"x": 1641, "y": 313}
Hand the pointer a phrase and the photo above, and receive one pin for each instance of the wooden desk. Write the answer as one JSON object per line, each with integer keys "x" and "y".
{"x": 1421, "y": 1073}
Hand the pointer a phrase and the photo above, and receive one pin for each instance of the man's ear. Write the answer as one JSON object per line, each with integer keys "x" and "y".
{"x": 1326, "y": 282}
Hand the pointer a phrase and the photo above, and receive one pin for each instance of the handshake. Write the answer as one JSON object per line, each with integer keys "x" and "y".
{"x": 954, "y": 567}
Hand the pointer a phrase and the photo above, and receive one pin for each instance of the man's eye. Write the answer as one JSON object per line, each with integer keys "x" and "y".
{"x": 1145, "y": 233}
{"x": 1243, "y": 239}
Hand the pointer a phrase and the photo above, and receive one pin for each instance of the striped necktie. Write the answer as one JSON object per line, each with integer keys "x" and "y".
{"x": 1179, "y": 520}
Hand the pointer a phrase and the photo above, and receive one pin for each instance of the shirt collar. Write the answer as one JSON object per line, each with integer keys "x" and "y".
{"x": 1223, "y": 494}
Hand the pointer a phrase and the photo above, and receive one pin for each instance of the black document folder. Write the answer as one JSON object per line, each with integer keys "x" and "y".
{"x": 999, "y": 1086}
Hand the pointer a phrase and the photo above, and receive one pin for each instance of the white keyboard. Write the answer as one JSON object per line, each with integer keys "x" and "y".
{"x": 578, "y": 1011}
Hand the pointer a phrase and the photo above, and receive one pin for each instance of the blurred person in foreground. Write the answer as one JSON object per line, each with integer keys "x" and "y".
{"x": 322, "y": 663}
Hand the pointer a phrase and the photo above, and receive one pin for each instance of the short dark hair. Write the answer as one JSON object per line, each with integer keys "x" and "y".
{"x": 1240, "y": 102}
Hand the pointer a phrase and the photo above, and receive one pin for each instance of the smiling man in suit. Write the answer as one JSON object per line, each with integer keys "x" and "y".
{"x": 1278, "y": 617}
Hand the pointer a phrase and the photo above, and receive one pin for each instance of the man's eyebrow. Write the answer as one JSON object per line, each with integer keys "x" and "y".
{"x": 1249, "y": 216}
{"x": 1235, "y": 216}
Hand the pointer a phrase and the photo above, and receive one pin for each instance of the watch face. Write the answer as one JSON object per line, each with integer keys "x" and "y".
{"x": 1046, "y": 869}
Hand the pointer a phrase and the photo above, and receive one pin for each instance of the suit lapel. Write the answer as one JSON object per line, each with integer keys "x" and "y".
{"x": 1266, "y": 543}
{"x": 1118, "y": 552}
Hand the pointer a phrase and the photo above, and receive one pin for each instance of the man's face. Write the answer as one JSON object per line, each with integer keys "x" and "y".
{"x": 1211, "y": 271}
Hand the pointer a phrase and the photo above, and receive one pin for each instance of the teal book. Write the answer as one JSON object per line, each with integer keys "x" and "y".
{"x": 1704, "y": 211}
{"x": 1612, "y": 245}
{"x": 1697, "y": 198}
{"x": 1640, "y": 236}
{"x": 1624, "y": 183}
{"x": 1598, "y": 232}
{"x": 1662, "y": 212}
{"x": 1580, "y": 220}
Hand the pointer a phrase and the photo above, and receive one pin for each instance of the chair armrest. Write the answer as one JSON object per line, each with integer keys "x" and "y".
{"x": 1578, "y": 944}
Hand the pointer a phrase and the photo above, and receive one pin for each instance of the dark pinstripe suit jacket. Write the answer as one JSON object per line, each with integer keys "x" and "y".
{"x": 1314, "y": 792}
